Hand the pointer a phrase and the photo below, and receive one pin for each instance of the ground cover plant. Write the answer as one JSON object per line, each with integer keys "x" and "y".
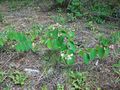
{"x": 67, "y": 49}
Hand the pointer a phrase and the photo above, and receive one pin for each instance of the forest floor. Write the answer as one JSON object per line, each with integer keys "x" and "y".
{"x": 40, "y": 67}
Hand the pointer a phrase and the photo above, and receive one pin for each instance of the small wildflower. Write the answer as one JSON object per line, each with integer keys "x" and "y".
{"x": 112, "y": 47}
{"x": 59, "y": 34}
{"x": 62, "y": 54}
{"x": 69, "y": 57}
{"x": 33, "y": 44}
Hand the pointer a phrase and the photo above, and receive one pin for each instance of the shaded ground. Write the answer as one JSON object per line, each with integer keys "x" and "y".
{"x": 50, "y": 73}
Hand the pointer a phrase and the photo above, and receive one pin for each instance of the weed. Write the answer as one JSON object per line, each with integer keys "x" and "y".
{"x": 116, "y": 69}
{"x": 60, "y": 39}
{"x": 2, "y": 76}
{"x": 75, "y": 7}
{"x": 23, "y": 43}
{"x": 57, "y": 38}
{"x": 18, "y": 77}
{"x": 59, "y": 19}
{"x": 60, "y": 87}
{"x": 44, "y": 87}
{"x": 117, "y": 64}
{"x": 115, "y": 37}
{"x": 78, "y": 81}
{"x": 7, "y": 88}
{"x": 70, "y": 17}
{"x": 90, "y": 25}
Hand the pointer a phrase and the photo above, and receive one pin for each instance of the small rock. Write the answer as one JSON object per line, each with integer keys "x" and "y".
{"x": 32, "y": 72}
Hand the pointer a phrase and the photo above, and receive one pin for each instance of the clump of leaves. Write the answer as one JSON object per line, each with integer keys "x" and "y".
{"x": 3, "y": 38}
{"x": 44, "y": 87}
{"x": 90, "y": 25}
{"x": 117, "y": 64}
{"x": 59, "y": 1}
{"x": 35, "y": 32}
{"x": 116, "y": 69}
{"x": 21, "y": 41}
{"x": 78, "y": 80}
{"x": 115, "y": 37}
{"x": 75, "y": 7}
{"x": 2, "y": 76}
{"x": 100, "y": 51}
{"x": 60, "y": 87}
{"x": 59, "y": 19}
{"x": 57, "y": 38}
{"x": 70, "y": 17}
{"x": 18, "y": 77}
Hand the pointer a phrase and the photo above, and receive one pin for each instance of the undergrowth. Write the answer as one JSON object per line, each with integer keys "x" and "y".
{"x": 60, "y": 39}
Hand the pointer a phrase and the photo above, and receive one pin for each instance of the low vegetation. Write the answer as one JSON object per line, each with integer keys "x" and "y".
{"x": 76, "y": 66}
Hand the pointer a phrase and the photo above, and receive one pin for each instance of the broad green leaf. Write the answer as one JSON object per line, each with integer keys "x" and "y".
{"x": 71, "y": 61}
{"x": 12, "y": 35}
{"x": 55, "y": 44}
{"x": 23, "y": 46}
{"x": 55, "y": 33}
{"x": 71, "y": 34}
{"x": 1, "y": 42}
{"x": 117, "y": 64}
{"x": 86, "y": 58}
{"x": 100, "y": 52}
{"x": 20, "y": 37}
{"x": 104, "y": 41}
{"x": 72, "y": 46}
{"x": 107, "y": 51}
{"x": 20, "y": 47}
{"x": 49, "y": 43}
{"x": 81, "y": 52}
{"x": 92, "y": 54}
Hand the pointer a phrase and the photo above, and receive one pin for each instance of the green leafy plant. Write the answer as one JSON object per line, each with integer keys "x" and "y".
{"x": 3, "y": 38}
{"x": 78, "y": 81}
{"x": 100, "y": 51}
{"x": 35, "y": 32}
{"x": 90, "y": 25}
{"x": 75, "y": 7}
{"x": 7, "y": 87}
{"x": 2, "y": 76}
{"x": 116, "y": 69}
{"x": 59, "y": 1}
{"x": 59, "y": 19}
{"x": 70, "y": 17}
{"x": 44, "y": 87}
{"x": 23, "y": 42}
{"x": 57, "y": 38}
{"x": 18, "y": 77}
{"x": 115, "y": 37}
{"x": 60, "y": 87}
{"x": 117, "y": 64}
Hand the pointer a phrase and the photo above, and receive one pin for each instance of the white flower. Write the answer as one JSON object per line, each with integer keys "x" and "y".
{"x": 33, "y": 44}
{"x": 62, "y": 54}
{"x": 59, "y": 34}
{"x": 69, "y": 57}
